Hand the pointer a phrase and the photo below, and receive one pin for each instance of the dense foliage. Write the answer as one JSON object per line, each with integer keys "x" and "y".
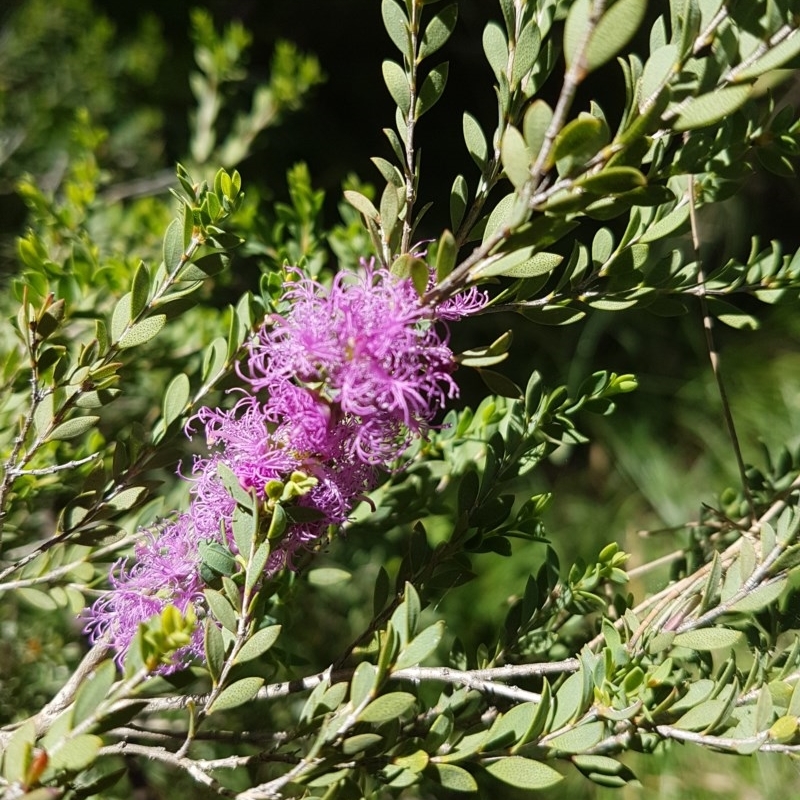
{"x": 244, "y": 516}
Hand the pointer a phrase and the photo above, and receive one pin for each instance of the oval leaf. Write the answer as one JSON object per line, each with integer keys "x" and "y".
{"x": 708, "y": 639}
{"x": 388, "y": 707}
{"x": 258, "y": 643}
{"x": 710, "y": 108}
{"x": 142, "y": 331}
{"x": 524, "y": 773}
{"x": 237, "y": 694}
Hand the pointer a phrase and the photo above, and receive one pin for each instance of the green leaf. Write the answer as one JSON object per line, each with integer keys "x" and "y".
{"x": 388, "y": 707}
{"x": 708, "y": 639}
{"x": 214, "y": 647}
{"x": 500, "y": 384}
{"x": 18, "y": 752}
{"x": 258, "y": 644}
{"x": 394, "y": 77}
{"x": 175, "y": 398}
{"x": 535, "y": 124}
{"x": 657, "y": 71}
{"x": 127, "y": 498}
{"x": 328, "y": 576}
{"x": 773, "y": 58}
{"x": 459, "y": 197}
{"x": 222, "y": 610}
{"x": 702, "y": 716}
{"x": 579, "y": 739}
{"x": 671, "y": 223}
{"x": 575, "y": 29}
{"x": 528, "y": 45}
{"x": 360, "y": 742}
{"x": 139, "y": 289}
{"x": 709, "y": 109}
{"x": 420, "y": 647}
{"x": 521, "y": 264}
{"x": 612, "y": 180}
{"x": 432, "y": 88}
{"x": 578, "y": 142}
{"x": 362, "y": 204}
{"x": 237, "y": 694}
{"x": 451, "y": 777}
{"x": 438, "y": 30}
{"x": 142, "y": 331}
{"x": 614, "y": 30}
{"x": 515, "y": 157}
{"x": 72, "y": 427}
{"x": 204, "y": 267}
{"x": 120, "y": 317}
{"x": 524, "y": 773}
{"x": 760, "y": 597}
{"x": 75, "y": 754}
{"x": 475, "y": 141}
{"x": 394, "y": 20}
{"x": 173, "y": 245}
{"x": 495, "y": 48}
{"x": 93, "y": 691}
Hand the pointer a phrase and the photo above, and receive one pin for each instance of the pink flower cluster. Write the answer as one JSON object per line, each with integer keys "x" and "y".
{"x": 337, "y": 389}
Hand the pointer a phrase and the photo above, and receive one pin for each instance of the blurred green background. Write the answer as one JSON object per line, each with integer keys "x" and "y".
{"x": 649, "y": 467}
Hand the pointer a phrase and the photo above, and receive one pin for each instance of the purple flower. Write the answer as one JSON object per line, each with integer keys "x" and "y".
{"x": 338, "y": 387}
{"x": 165, "y": 571}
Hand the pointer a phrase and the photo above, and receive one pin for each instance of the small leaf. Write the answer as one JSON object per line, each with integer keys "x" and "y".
{"x": 701, "y": 716}
{"x": 668, "y": 225}
{"x": 394, "y": 20}
{"x": 614, "y": 30}
{"x": 214, "y": 648}
{"x": 708, "y": 639}
{"x": 420, "y": 647}
{"x": 535, "y": 124}
{"x": 18, "y": 752}
{"x": 139, "y": 289}
{"x": 360, "y": 742}
{"x": 708, "y": 109}
{"x": 432, "y": 88}
{"x": 500, "y": 384}
{"x": 394, "y": 77}
{"x": 438, "y": 30}
{"x": 258, "y": 644}
{"x": 612, "y": 180}
{"x": 657, "y": 71}
{"x": 760, "y": 597}
{"x": 475, "y": 141}
{"x": 328, "y": 576}
{"x": 521, "y": 265}
{"x": 516, "y": 157}
{"x": 237, "y": 694}
{"x": 173, "y": 245}
{"x": 524, "y": 773}
{"x": 495, "y": 48}
{"x": 120, "y": 317}
{"x": 579, "y": 739}
{"x": 388, "y": 707}
{"x": 221, "y": 609}
{"x": 362, "y": 204}
{"x": 143, "y": 331}
{"x": 176, "y": 398}
{"x": 459, "y": 197}
{"x": 75, "y": 754}
{"x": 127, "y": 498}
{"x": 72, "y": 427}
{"x": 364, "y": 683}
{"x": 452, "y": 777}
{"x": 775, "y": 57}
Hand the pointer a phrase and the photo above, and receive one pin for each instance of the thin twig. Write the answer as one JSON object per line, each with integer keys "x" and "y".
{"x": 713, "y": 351}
